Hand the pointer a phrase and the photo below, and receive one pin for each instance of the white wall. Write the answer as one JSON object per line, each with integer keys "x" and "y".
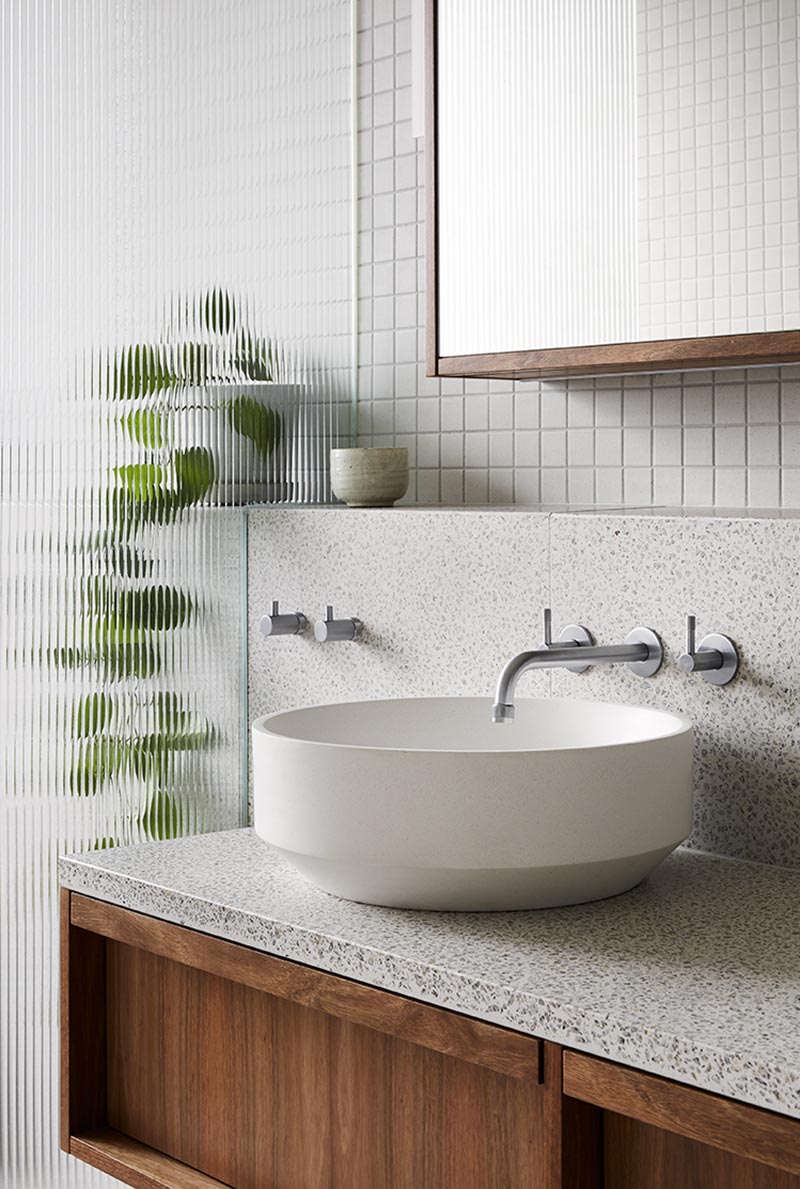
{"x": 149, "y": 152}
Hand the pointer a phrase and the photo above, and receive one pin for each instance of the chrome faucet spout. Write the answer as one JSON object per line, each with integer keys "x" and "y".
{"x": 641, "y": 650}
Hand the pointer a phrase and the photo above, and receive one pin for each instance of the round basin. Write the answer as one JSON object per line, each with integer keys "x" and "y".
{"x": 426, "y": 803}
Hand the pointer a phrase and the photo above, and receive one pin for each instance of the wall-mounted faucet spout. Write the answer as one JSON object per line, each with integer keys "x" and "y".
{"x": 641, "y": 651}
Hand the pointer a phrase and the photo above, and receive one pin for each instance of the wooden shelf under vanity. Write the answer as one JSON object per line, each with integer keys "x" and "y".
{"x": 188, "y": 1061}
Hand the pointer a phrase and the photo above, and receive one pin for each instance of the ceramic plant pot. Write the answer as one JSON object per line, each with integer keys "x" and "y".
{"x": 369, "y": 477}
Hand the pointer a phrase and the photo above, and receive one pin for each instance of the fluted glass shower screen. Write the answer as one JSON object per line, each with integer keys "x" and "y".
{"x": 175, "y": 342}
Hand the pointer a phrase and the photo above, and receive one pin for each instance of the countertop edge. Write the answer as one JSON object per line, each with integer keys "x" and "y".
{"x": 739, "y": 1076}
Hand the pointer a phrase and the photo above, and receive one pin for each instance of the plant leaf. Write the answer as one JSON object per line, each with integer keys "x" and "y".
{"x": 162, "y": 817}
{"x": 146, "y": 427}
{"x": 194, "y": 474}
{"x": 143, "y": 481}
{"x": 92, "y": 713}
{"x": 218, "y": 311}
{"x": 255, "y": 421}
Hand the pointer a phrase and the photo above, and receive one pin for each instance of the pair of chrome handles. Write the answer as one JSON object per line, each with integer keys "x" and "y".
{"x": 295, "y": 624}
{"x": 715, "y": 658}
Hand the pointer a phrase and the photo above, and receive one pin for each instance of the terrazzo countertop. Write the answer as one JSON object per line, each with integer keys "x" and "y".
{"x": 694, "y": 975}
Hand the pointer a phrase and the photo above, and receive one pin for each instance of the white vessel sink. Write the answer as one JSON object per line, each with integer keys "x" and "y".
{"x": 426, "y": 803}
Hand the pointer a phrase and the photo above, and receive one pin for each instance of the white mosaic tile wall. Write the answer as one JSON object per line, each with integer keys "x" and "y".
{"x": 719, "y": 237}
{"x": 728, "y": 438}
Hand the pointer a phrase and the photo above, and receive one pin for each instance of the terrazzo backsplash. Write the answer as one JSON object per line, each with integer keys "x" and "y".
{"x": 447, "y": 596}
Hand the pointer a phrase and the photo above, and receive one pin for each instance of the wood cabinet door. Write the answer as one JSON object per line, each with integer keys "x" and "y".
{"x": 658, "y": 1134}
{"x": 190, "y": 1057}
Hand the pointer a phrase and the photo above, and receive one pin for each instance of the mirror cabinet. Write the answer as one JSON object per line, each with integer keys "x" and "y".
{"x": 612, "y": 185}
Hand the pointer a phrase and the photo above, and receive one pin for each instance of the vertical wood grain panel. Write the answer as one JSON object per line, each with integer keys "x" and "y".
{"x": 300, "y": 1129}
{"x": 255, "y": 1090}
{"x": 83, "y": 1038}
{"x": 748, "y": 1131}
{"x": 639, "y": 1156}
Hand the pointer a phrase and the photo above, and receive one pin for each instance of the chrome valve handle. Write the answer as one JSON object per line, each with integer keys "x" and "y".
{"x": 283, "y": 625}
{"x": 573, "y": 636}
{"x": 330, "y": 629}
{"x": 715, "y": 658}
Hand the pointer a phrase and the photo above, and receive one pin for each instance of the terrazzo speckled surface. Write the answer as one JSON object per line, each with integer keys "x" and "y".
{"x": 448, "y": 596}
{"x": 739, "y": 576}
{"x": 695, "y": 975}
{"x": 443, "y": 594}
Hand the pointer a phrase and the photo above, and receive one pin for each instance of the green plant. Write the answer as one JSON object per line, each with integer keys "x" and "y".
{"x": 128, "y": 736}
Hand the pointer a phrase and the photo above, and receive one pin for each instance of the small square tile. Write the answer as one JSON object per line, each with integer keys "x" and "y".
{"x": 451, "y": 447}
{"x": 526, "y": 487}
{"x": 698, "y": 446}
{"x": 452, "y": 413}
{"x": 790, "y": 487}
{"x": 637, "y": 407}
{"x": 553, "y": 446}
{"x": 580, "y": 447}
{"x": 452, "y": 486}
{"x": 729, "y": 446}
{"x": 501, "y": 486}
{"x": 476, "y": 412}
{"x": 763, "y": 446}
{"x": 764, "y": 487}
{"x": 608, "y": 485}
{"x": 698, "y": 486}
{"x": 526, "y": 408}
{"x": 608, "y": 408}
{"x": 553, "y": 408}
{"x": 580, "y": 485}
{"x": 428, "y": 420}
{"x": 526, "y": 448}
{"x": 668, "y": 485}
{"x": 730, "y": 487}
{"x": 637, "y": 447}
{"x": 501, "y": 410}
{"x": 667, "y": 447}
{"x": 553, "y": 485}
{"x": 476, "y": 487}
{"x": 608, "y": 447}
{"x": 476, "y": 449}
{"x": 790, "y": 445}
{"x": 501, "y": 448}
{"x": 637, "y": 485}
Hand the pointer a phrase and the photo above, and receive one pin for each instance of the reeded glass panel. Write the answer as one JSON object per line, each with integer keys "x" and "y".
{"x": 616, "y": 170}
{"x": 175, "y": 323}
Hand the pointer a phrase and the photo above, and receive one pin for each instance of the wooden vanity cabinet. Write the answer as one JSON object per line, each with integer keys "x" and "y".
{"x": 190, "y": 1061}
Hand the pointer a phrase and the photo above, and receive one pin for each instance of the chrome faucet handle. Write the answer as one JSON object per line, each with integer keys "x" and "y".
{"x": 276, "y": 624}
{"x": 715, "y": 658}
{"x": 573, "y": 636}
{"x": 329, "y": 629}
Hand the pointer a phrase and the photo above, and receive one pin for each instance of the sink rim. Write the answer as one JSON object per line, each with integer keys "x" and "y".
{"x": 683, "y": 725}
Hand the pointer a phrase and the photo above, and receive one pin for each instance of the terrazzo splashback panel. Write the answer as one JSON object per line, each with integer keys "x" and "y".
{"x": 740, "y": 577}
{"x": 447, "y": 596}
